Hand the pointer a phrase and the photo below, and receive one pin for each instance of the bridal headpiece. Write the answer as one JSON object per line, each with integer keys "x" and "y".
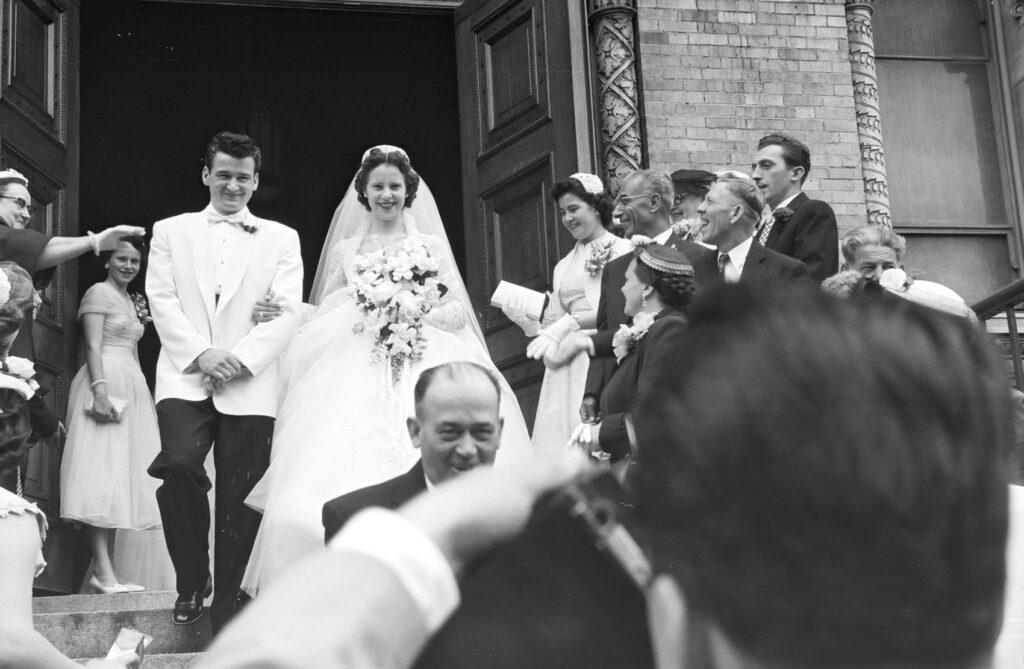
{"x": 385, "y": 149}
{"x": 590, "y": 182}
{"x": 13, "y": 175}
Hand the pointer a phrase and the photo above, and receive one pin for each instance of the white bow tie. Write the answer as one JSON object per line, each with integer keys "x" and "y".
{"x": 234, "y": 219}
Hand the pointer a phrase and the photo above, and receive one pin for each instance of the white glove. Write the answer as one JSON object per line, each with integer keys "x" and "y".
{"x": 567, "y": 349}
{"x": 587, "y": 436}
{"x": 515, "y": 309}
{"x": 548, "y": 338}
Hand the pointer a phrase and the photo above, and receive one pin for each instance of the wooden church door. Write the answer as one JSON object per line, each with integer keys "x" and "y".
{"x": 520, "y": 112}
{"x": 39, "y": 138}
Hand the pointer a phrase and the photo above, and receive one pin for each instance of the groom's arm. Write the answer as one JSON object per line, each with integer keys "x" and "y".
{"x": 177, "y": 334}
{"x": 266, "y": 341}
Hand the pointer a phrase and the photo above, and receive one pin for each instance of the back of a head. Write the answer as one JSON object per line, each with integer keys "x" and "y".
{"x": 827, "y": 479}
{"x": 15, "y": 428}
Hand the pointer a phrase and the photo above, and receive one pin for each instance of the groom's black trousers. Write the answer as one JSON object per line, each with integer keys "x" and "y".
{"x": 241, "y": 453}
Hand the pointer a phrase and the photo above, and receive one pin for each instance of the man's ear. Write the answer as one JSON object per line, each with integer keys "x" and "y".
{"x": 667, "y": 621}
{"x": 206, "y": 176}
{"x": 413, "y": 426}
{"x": 657, "y": 202}
{"x": 797, "y": 173}
{"x": 256, "y": 181}
{"x": 737, "y": 214}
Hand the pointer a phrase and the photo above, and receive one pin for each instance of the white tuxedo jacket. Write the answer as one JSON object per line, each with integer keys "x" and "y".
{"x": 181, "y": 285}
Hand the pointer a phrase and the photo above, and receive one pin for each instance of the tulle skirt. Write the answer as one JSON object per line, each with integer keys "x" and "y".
{"x": 103, "y": 479}
{"x": 341, "y": 427}
{"x": 558, "y": 408}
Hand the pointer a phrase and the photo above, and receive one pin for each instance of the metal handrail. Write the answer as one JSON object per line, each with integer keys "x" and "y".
{"x": 1006, "y": 300}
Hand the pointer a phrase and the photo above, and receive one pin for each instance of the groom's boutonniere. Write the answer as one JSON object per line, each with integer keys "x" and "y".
{"x": 249, "y": 226}
{"x": 782, "y": 214}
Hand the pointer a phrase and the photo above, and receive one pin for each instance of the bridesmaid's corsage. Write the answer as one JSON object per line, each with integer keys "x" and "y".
{"x": 600, "y": 254}
{"x": 625, "y": 340}
{"x": 141, "y": 308}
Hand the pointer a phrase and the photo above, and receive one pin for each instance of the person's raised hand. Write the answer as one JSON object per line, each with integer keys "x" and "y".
{"x": 483, "y": 508}
{"x": 107, "y": 240}
{"x": 220, "y": 364}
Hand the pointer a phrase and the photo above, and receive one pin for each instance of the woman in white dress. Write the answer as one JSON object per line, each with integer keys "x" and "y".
{"x": 586, "y": 212}
{"x": 342, "y": 419}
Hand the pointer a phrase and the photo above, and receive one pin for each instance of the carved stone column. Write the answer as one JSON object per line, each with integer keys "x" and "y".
{"x": 865, "y": 99}
{"x": 618, "y": 98}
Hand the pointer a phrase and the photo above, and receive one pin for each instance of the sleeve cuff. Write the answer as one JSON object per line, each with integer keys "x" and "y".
{"x": 590, "y": 346}
{"x": 414, "y": 559}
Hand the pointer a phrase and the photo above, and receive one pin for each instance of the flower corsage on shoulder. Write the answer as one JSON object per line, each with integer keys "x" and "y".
{"x": 141, "y": 307}
{"x": 626, "y": 339}
{"x": 600, "y": 254}
{"x": 19, "y": 374}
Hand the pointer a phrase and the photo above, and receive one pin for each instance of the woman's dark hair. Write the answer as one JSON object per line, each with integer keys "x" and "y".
{"x": 376, "y": 158}
{"x": 601, "y": 202}
{"x": 10, "y": 319}
{"x": 675, "y": 290}
{"x": 15, "y": 428}
{"x": 138, "y": 243}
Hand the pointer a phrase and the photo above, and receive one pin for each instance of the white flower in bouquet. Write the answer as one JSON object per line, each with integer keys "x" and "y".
{"x": 382, "y": 292}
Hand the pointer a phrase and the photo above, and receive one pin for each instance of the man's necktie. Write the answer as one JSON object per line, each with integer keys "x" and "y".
{"x": 723, "y": 260}
{"x": 766, "y": 228}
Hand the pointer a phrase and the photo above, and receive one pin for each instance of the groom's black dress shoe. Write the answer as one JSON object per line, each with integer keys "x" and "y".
{"x": 189, "y": 608}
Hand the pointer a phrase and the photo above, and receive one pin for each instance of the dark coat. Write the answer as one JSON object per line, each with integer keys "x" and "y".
{"x": 611, "y": 310}
{"x": 810, "y": 236}
{"x": 390, "y": 494}
{"x": 658, "y": 349}
{"x": 761, "y": 265}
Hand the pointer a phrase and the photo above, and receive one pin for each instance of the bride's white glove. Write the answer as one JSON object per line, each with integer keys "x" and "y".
{"x": 548, "y": 338}
{"x": 449, "y": 317}
{"x": 515, "y": 309}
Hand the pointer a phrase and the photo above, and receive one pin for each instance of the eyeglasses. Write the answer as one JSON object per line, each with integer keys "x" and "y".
{"x": 21, "y": 204}
{"x": 621, "y": 199}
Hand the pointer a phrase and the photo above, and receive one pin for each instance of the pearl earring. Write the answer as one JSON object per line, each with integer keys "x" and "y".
{"x": 107, "y": 265}
{"x": 643, "y": 301}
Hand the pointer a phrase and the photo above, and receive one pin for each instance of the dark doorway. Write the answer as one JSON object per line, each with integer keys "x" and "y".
{"x": 315, "y": 87}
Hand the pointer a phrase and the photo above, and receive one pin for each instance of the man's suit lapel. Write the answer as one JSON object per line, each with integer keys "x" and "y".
{"x": 412, "y": 483}
{"x": 779, "y": 226}
{"x": 202, "y": 258}
{"x": 753, "y": 266}
{"x": 235, "y": 266}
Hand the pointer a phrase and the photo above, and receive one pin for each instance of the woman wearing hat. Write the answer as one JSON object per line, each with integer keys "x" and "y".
{"x": 659, "y": 286}
{"x": 585, "y": 210}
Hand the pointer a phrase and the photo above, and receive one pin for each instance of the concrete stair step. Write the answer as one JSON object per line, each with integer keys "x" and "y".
{"x": 86, "y": 625}
{"x": 166, "y": 661}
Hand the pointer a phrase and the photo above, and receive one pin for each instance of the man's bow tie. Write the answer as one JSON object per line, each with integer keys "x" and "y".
{"x": 234, "y": 219}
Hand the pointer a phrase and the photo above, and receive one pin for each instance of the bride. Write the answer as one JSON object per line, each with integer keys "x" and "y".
{"x": 342, "y": 420}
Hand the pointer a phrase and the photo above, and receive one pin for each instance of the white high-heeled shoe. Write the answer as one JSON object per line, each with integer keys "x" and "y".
{"x": 116, "y": 589}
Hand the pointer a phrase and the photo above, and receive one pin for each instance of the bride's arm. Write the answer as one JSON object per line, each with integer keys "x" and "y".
{"x": 451, "y": 313}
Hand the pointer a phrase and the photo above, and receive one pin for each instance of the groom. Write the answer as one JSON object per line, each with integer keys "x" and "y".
{"x": 217, "y": 376}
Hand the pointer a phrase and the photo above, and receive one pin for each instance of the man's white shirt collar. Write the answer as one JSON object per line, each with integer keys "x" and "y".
{"x": 738, "y": 255}
{"x": 785, "y": 203}
{"x": 662, "y": 238}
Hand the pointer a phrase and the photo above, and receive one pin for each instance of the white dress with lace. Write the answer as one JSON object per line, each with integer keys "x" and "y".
{"x": 342, "y": 424}
{"x": 11, "y": 504}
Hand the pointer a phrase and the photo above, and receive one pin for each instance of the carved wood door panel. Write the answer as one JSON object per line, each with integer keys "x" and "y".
{"x": 39, "y": 138}
{"x": 518, "y": 138}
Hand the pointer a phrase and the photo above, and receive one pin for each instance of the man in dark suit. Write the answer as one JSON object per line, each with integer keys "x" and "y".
{"x": 643, "y": 207}
{"x": 729, "y": 215}
{"x": 798, "y": 226}
{"x": 457, "y": 428}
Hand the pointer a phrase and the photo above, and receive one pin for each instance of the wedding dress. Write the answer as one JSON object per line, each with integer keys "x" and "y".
{"x": 342, "y": 419}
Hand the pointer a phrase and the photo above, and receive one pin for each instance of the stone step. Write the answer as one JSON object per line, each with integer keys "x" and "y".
{"x": 165, "y": 661}
{"x": 86, "y": 625}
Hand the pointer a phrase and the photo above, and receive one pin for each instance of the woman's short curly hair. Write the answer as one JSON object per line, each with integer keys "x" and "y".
{"x": 602, "y": 202}
{"x": 675, "y": 290}
{"x": 15, "y": 428}
{"x": 375, "y": 158}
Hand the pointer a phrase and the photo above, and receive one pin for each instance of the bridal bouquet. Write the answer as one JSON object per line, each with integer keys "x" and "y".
{"x": 395, "y": 290}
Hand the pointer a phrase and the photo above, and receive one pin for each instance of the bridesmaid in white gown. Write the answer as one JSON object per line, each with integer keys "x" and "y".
{"x": 586, "y": 212}
{"x": 342, "y": 420}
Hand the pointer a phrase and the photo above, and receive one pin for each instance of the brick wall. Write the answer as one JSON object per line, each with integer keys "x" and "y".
{"x": 719, "y": 74}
